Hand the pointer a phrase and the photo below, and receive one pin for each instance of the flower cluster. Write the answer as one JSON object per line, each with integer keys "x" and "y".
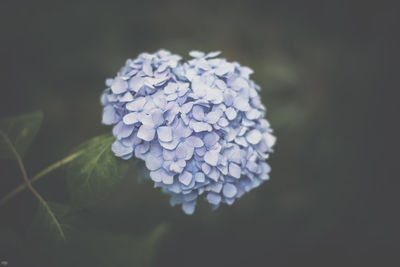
{"x": 198, "y": 125}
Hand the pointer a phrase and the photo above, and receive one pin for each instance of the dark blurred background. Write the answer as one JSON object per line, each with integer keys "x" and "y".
{"x": 326, "y": 69}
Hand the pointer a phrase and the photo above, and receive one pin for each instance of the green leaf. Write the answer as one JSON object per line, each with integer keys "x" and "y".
{"x": 94, "y": 175}
{"x": 21, "y": 130}
{"x": 47, "y": 225}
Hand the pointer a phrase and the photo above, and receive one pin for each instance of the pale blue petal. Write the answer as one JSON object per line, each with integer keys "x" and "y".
{"x": 201, "y": 151}
{"x": 188, "y": 148}
{"x": 174, "y": 167}
{"x": 213, "y": 54}
{"x": 200, "y": 126}
{"x": 253, "y": 114}
{"x": 270, "y": 139}
{"x": 121, "y": 150}
{"x": 171, "y": 88}
{"x": 185, "y": 178}
{"x": 194, "y": 141}
{"x": 182, "y": 131}
{"x": 170, "y": 145}
{"x": 146, "y": 132}
{"x": 238, "y": 84}
{"x": 252, "y": 166}
{"x": 198, "y": 113}
{"x": 210, "y": 139}
{"x": 212, "y": 157}
{"x": 119, "y": 86}
{"x": 153, "y": 163}
{"x": 183, "y": 88}
{"x": 189, "y": 196}
{"x": 241, "y": 104}
{"x": 215, "y": 95}
{"x": 189, "y": 207}
{"x": 172, "y": 97}
{"x": 136, "y": 104}
{"x": 234, "y": 170}
{"x": 121, "y": 130}
{"x": 147, "y": 69}
{"x": 136, "y": 83}
{"x": 213, "y": 198}
{"x": 168, "y": 155}
{"x": 164, "y": 133}
{"x": 228, "y": 99}
{"x": 157, "y": 117}
{"x": 131, "y": 118}
{"x": 168, "y": 179}
{"x": 181, "y": 152}
{"x": 254, "y": 137}
{"x": 127, "y": 97}
{"x": 214, "y": 174}
{"x": 109, "y": 115}
{"x": 196, "y": 54}
{"x": 229, "y": 190}
{"x": 205, "y": 168}
{"x": 223, "y": 122}
{"x": 181, "y": 163}
{"x": 216, "y": 187}
{"x": 200, "y": 177}
{"x": 213, "y": 116}
{"x": 230, "y": 113}
{"x": 187, "y": 107}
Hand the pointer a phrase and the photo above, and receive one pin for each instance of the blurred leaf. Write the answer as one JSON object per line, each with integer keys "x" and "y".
{"x": 21, "y": 130}
{"x": 94, "y": 175}
{"x": 91, "y": 244}
{"x": 48, "y": 226}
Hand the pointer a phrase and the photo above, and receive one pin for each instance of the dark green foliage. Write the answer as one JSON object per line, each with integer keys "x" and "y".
{"x": 47, "y": 227}
{"x": 89, "y": 243}
{"x": 94, "y": 175}
{"x": 21, "y": 130}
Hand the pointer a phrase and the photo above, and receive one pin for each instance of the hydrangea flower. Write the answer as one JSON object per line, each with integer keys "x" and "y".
{"x": 199, "y": 125}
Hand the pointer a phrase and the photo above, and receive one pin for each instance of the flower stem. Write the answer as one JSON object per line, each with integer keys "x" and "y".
{"x": 41, "y": 174}
{"x": 30, "y": 187}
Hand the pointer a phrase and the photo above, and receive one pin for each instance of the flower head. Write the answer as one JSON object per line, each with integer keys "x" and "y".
{"x": 199, "y": 125}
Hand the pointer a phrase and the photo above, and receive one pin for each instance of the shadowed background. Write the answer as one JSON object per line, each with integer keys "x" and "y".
{"x": 324, "y": 69}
